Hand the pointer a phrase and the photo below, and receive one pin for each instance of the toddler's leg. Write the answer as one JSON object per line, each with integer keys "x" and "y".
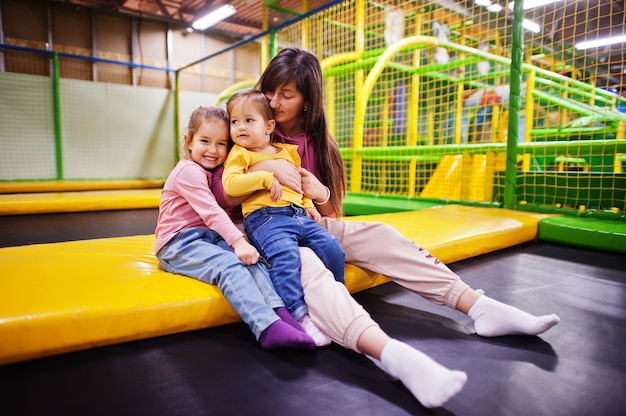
{"x": 306, "y": 326}
{"x": 320, "y": 338}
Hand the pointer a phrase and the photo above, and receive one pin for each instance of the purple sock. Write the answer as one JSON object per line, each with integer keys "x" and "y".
{"x": 281, "y": 335}
{"x": 284, "y": 314}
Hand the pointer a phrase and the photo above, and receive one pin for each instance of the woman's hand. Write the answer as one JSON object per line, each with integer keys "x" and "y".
{"x": 312, "y": 187}
{"x": 284, "y": 171}
{"x": 245, "y": 251}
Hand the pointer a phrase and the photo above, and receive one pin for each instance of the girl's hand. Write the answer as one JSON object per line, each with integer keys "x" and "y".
{"x": 284, "y": 171}
{"x": 276, "y": 191}
{"x": 314, "y": 214}
{"x": 312, "y": 187}
{"x": 245, "y": 251}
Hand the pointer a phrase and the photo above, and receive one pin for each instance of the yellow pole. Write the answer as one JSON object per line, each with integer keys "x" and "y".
{"x": 413, "y": 104}
{"x": 305, "y": 26}
{"x": 359, "y": 115}
{"x": 384, "y": 121}
{"x": 430, "y": 115}
{"x": 530, "y": 104}
{"x": 413, "y": 111}
{"x": 331, "y": 107}
{"x": 592, "y": 100}
{"x": 458, "y": 102}
{"x": 265, "y": 47}
{"x": 496, "y": 108}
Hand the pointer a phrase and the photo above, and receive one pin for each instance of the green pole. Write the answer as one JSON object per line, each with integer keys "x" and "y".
{"x": 273, "y": 44}
{"x": 176, "y": 113}
{"x": 510, "y": 180}
{"x": 56, "y": 103}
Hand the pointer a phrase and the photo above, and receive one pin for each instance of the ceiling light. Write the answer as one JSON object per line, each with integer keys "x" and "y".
{"x": 600, "y": 42}
{"x": 213, "y": 17}
{"x": 530, "y": 25}
{"x": 531, "y": 4}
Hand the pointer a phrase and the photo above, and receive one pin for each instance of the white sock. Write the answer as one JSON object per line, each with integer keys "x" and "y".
{"x": 380, "y": 365}
{"x": 493, "y": 319}
{"x": 430, "y": 382}
{"x": 320, "y": 338}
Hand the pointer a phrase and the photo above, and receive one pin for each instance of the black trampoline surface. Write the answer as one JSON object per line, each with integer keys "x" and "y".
{"x": 576, "y": 368}
{"x": 20, "y": 230}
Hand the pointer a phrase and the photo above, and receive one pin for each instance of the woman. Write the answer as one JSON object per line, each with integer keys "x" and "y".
{"x": 292, "y": 83}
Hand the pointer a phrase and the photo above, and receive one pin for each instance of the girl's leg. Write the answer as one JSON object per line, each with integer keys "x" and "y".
{"x": 417, "y": 270}
{"x": 203, "y": 255}
{"x": 264, "y": 283}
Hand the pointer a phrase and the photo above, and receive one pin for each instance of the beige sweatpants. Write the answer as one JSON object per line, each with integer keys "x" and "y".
{"x": 379, "y": 248}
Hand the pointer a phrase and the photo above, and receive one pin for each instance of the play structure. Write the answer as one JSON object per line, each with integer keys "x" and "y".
{"x": 446, "y": 134}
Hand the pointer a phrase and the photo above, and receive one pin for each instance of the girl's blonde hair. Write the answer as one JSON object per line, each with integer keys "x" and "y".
{"x": 200, "y": 115}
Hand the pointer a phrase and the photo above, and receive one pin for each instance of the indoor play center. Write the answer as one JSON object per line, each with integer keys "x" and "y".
{"x": 491, "y": 134}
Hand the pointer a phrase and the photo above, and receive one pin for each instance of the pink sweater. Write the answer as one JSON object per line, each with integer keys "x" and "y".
{"x": 187, "y": 202}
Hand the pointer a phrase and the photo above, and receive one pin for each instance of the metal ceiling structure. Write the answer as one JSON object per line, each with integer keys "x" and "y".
{"x": 563, "y": 22}
{"x": 247, "y": 21}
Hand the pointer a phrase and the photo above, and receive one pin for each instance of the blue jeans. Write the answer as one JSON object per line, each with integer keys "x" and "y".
{"x": 277, "y": 232}
{"x": 203, "y": 255}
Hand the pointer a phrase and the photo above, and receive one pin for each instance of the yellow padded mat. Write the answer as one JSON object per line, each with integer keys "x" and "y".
{"x": 49, "y": 202}
{"x": 77, "y": 185}
{"x": 63, "y": 297}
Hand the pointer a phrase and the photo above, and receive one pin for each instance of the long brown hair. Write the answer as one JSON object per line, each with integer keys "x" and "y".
{"x": 303, "y": 69}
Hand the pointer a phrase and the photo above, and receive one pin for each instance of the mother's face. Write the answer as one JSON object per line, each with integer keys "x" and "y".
{"x": 286, "y": 102}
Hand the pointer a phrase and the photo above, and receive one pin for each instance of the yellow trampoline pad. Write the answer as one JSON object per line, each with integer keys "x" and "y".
{"x": 63, "y": 297}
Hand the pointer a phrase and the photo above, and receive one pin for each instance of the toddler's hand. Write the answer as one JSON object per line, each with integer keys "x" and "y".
{"x": 276, "y": 191}
{"x": 314, "y": 214}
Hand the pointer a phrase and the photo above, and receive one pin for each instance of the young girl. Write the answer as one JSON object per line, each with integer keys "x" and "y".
{"x": 196, "y": 238}
{"x": 277, "y": 219}
{"x": 292, "y": 83}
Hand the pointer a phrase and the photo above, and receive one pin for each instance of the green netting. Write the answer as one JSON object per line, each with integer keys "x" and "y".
{"x": 417, "y": 93}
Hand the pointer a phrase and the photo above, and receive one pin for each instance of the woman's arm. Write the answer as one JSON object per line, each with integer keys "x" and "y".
{"x": 283, "y": 170}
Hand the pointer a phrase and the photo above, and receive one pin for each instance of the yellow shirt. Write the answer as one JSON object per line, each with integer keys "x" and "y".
{"x": 237, "y": 181}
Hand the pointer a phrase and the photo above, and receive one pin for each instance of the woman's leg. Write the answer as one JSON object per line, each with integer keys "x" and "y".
{"x": 336, "y": 312}
{"x": 401, "y": 259}
{"x": 325, "y": 246}
{"x": 414, "y": 268}
{"x": 331, "y": 306}
{"x": 430, "y": 382}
